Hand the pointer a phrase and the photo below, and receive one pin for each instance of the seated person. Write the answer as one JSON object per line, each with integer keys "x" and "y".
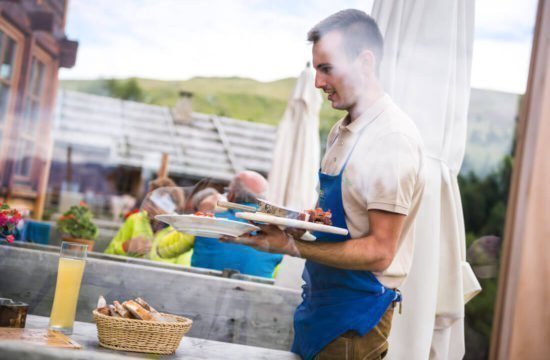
{"x": 206, "y": 200}
{"x": 213, "y": 254}
{"x": 142, "y": 236}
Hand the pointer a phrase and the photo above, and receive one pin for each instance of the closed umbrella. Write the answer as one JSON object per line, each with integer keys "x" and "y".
{"x": 426, "y": 69}
{"x": 296, "y": 157}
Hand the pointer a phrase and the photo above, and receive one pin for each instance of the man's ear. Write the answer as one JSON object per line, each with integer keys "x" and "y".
{"x": 368, "y": 60}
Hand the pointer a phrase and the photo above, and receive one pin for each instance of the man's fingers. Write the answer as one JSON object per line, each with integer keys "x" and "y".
{"x": 295, "y": 233}
{"x": 252, "y": 241}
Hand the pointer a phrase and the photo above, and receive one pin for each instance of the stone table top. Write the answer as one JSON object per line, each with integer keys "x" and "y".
{"x": 86, "y": 335}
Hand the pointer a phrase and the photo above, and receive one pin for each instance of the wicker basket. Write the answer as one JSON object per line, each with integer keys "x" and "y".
{"x": 140, "y": 335}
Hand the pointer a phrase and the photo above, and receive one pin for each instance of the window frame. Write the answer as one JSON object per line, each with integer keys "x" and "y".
{"x": 29, "y": 183}
{"x": 7, "y": 126}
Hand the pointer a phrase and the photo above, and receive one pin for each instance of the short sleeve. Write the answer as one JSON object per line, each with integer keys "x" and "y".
{"x": 390, "y": 172}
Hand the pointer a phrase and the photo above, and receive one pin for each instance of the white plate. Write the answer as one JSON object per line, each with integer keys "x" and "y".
{"x": 206, "y": 226}
{"x": 299, "y": 224}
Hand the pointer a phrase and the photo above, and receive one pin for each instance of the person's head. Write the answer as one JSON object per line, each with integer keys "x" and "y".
{"x": 246, "y": 187}
{"x": 205, "y": 200}
{"x": 160, "y": 182}
{"x": 167, "y": 189}
{"x": 347, "y": 51}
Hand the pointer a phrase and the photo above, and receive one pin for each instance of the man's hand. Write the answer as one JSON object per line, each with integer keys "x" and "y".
{"x": 138, "y": 246}
{"x": 269, "y": 239}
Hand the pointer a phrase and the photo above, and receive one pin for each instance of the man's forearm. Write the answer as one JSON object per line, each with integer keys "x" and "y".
{"x": 354, "y": 254}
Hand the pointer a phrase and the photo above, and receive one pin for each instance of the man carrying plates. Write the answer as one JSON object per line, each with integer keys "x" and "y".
{"x": 371, "y": 179}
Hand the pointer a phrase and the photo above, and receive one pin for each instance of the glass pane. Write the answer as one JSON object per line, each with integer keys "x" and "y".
{"x": 37, "y": 76}
{"x": 4, "y": 96}
{"x": 24, "y": 158}
{"x": 9, "y": 56}
{"x": 31, "y": 117}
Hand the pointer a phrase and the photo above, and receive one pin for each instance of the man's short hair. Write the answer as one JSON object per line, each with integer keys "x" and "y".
{"x": 359, "y": 29}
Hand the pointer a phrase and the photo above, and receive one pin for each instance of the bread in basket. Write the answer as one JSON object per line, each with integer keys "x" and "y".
{"x": 160, "y": 334}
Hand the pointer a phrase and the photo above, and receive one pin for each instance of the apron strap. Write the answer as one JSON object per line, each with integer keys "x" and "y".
{"x": 352, "y": 149}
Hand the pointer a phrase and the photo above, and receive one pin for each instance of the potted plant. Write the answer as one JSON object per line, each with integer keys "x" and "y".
{"x": 76, "y": 226}
{"x": 9, "y": 219}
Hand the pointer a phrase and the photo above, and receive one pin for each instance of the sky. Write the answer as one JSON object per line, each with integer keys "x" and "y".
{"x": 260, "y": 39}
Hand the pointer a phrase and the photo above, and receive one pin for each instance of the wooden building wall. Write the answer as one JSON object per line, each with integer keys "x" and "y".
{"x": 522, "y": 316}
{"x": 33, "y": 46}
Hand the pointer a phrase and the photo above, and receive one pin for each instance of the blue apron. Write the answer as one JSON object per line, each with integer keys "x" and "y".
{"x": 335, "y": 300}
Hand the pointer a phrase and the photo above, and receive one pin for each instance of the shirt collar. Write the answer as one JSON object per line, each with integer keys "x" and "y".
{"x": 366, "y": 117}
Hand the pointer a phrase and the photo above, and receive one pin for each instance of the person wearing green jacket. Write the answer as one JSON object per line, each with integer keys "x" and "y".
{"x": 142, "y": 236}
{"x": 135, "y": 238}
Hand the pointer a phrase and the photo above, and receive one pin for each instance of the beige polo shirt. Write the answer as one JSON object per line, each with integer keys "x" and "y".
{"x": 384, "y": 172}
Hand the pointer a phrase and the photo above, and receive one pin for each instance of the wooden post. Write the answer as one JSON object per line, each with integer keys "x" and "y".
{"x": 163, "y": 170}
{"x": 522, "y": 320}
{"x": 69, "y": 175}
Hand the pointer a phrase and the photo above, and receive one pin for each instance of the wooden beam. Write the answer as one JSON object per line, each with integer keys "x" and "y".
{"x": 522, "y": 321}
{"x": 227, "y": 145}
{"x": 163, "y": 170}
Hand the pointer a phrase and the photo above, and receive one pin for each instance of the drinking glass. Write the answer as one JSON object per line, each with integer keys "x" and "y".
{"x": 72, "y": 260}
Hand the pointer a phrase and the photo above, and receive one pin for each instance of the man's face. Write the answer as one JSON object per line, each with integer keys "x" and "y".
{"x": 339, "y": 76}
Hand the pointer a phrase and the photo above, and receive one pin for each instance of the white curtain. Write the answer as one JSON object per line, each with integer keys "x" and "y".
{"x": 426, "y": 70}
{"x": 296, "y": 159}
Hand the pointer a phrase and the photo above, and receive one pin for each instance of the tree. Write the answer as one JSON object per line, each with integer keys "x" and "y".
{"x": 125, "y": 89}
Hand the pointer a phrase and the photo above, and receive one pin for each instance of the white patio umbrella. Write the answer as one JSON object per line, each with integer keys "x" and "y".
{"x": 426, "y": 69}
{"x": 296, "y": 157}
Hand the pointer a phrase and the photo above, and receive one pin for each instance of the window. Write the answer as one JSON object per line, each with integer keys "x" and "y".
{"x": 8, "y": 50}
{"x": 30, "y": 119}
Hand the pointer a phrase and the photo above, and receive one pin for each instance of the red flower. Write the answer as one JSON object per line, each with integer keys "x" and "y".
{"x": 82, "y": 203}
{"x": 10, "y": 238}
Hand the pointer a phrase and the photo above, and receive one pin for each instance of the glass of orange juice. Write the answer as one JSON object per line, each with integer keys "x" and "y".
{"x": 72, "y": 260}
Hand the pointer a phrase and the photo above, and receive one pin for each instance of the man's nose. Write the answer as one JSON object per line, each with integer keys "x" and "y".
{"x": 319, "y": 80}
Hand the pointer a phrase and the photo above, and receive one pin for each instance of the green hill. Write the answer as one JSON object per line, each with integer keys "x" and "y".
{"x": 491, "y": 116}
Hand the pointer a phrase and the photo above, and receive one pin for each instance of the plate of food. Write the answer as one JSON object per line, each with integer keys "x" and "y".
{"x": 206, "y": 225}
{"x": 317, "y": 221}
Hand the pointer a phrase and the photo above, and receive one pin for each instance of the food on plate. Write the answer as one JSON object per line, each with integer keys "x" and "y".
{"x": 204, "y": 213}
{"x": 319, "y": 216}
{"x": 137, "y": 309}
{"x": 279, "y": 211}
